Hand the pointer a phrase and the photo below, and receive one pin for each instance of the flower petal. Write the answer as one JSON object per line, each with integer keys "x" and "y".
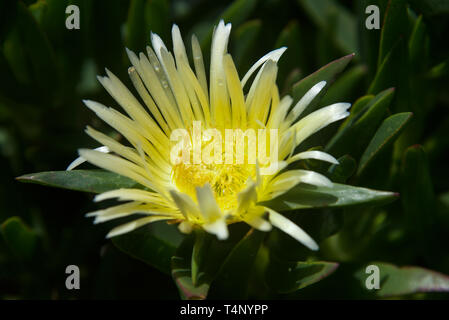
{"x": 318, "y": 155}
{"x": 291, "y": 229}
{"x": 274, "y": 55}
{"x": 78, "y": 161}
{"x": 218, "y": 227}
{"x": 302, "y": 104}
{"x": 133, "y": 225}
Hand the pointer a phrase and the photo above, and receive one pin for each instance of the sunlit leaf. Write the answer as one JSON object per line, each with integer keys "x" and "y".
{"x": 385, "y": 135}
{"x": 96, "y": 181}
{"x": 306, "y": 196}
{"x": 395, "y": 281}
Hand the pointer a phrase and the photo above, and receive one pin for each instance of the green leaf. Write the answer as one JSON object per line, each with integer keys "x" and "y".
{"x": 135, "y": 26}
{"x": 386, "y": 75}
{"x": 387, "y": 133}
{"x": 17, "y": 60}
{"x": 419, "y": 46}
{"x": 200, "y": 249}
{"x": 307, "y": 196}
{"x": 287, "y": 277}
{"x": 19, "y": 237}
{"x": 38, "y": 9}
{"x": 244, "y": 40}
{"x": 157, "y": 17}
{"x": 233, "y": 277}
{"x": 395, "y": 281}
{"x": 181, "y": 264}
{"x": 236, "y": 14}
{"x": 361, "y": 126}
{"x": 327, "y": 73}
{"x": 323, "y": 12}
{"x": 344, "y": 86}
{"x": 431, "y": 7}
{"x": 207, "y": 258}
{"x": 38, "y": 49}
{"x": 395, "y": 27}
{"x": 358, "y": 106}
{"x": 369, "y": 39}
{"x": 154, "y": 244}
{"x": 96, "y": 181}
{"x": 418, "y": 198}
{"x": 238, "y": 11}
{"x": 294, "y": 58}
{"x": 440, "y": 70}
{"x": 343, "y": 170}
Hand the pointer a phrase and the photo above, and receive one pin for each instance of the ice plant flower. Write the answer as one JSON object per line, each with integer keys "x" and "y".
{"x": 174, "y": 96}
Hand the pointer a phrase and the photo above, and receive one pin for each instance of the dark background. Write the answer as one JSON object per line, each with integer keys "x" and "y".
{"x": 46, "y": 71}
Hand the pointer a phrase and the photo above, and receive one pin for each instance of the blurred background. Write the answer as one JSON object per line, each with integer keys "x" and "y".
{"x": 46, "y": 70}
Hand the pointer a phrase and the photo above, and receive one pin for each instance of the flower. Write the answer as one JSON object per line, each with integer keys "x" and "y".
{"x": 206, "y": 194}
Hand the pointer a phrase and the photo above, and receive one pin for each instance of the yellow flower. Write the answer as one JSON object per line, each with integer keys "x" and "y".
{"x": 205, "y": 194}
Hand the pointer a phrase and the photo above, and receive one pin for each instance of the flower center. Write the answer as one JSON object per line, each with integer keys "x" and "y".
{"x": 226, "y": 180}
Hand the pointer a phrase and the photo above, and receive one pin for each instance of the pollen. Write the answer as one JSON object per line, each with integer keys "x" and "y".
{"x": 226, "y": 180}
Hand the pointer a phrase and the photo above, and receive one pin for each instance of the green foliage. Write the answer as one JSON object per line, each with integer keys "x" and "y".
{"x": 406, "y": 280}
{"x": 396, "y": 139}
{"x": 19, "y": 238}
{"x": 95, "y": 181}
{"x": 305, "y": 196}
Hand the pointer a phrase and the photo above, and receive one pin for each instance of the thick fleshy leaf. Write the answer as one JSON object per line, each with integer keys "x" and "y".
{"x": 20, "y": 238}
{"x": 232, "y": 278}
{"x": 327, "y": 14}
{"x": 244, "y": 38}
{"x": 395, "y": 281}
{"x": 387, "y": 72}
{"x": 440, "y": 70}
{"x": 135, "y": 31}
{"x": 153, "y": 244}
{"x": 15, "y": 56}
{"x": 182, "y": 273}
{"x": 38, "y": 48}
{"x": 236, "y": 13}
{"x": 206, "y": 261}
{"x": 419, "y": 46}
{"x": 345, "y": 86}
{"x": 418, "y": 198}
{"x": 286, "y": 277}
{"x": 431, "y": 7}
{"x": 343, "y": 170}
{"x": 199, "y": 253}
{"x": 353, "y": 138}
{"x": 388, "y": 131}
{"x": 158, "y": 17}
{"x": 358, "y": 106}
{"x": 38, "y": 9}
{"x": 96, "y": 181}
{"x": 306, "y": 196}
{"x": 294, "y": 58}
{"x": 327, "y": 73}
{"x": 395, "y": 26}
